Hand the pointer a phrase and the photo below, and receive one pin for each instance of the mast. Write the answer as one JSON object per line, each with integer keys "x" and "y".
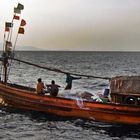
{"x": 6, "y": 54}
{"x": 8, "y": 50}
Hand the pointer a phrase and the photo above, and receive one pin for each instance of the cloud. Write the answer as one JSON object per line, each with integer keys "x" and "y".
{"x": 81, "y": 24}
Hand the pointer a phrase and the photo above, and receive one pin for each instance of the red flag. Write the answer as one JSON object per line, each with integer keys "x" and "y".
{"x": 21, "y": 30}
{"x": 23, "y": 22}
{"x": 16, "y": 17}
{"x": 7, "y": 29}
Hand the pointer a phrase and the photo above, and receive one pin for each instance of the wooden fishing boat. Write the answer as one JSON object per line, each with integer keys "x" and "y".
{"x": 124, "y": 106}
{"x": 25, "y": 98}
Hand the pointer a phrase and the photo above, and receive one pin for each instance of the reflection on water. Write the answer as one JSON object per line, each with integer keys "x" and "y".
{"x": 34, "y": 125}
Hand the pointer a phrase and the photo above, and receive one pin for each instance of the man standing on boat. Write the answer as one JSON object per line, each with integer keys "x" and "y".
{"x": 69, "y": 80}
{"x": 40, "y": 88}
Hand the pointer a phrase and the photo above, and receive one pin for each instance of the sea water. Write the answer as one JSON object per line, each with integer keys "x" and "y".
{"x": 17, "y": 124}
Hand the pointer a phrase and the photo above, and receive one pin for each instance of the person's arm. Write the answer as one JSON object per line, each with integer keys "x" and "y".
{"x": 48, "y": 85}
{"x": 43, "y": 85}
{"x": 75, "y": 78}
{"x": 58, "y": 86}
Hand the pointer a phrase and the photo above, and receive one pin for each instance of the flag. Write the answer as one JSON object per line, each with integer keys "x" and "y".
{"x": 23, "y": 22}
{"x": 7, "y": 29}
{"x": 21, "y": 30}
{"x": 20, "y": 6}
{"x": 8, "y": 43}
{"x": 8, "y": 24}
{"x": 17, "y": 11}
{"x": 16, "y": 17}
{"x": 8, "y": 47}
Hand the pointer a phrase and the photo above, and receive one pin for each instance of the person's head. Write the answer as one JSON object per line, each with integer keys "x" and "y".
{"x": 39, "y": 80}
{"x": 53, "y": 82}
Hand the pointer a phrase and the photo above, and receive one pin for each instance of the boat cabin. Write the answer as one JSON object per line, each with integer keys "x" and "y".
{"x": 125, "y": 90}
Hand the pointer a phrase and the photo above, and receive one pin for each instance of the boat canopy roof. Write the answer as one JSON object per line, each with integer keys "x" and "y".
{"x": 125, "y": 85}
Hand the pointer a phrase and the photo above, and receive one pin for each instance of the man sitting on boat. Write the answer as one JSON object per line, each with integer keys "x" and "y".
{"x": 53, "y": 88}
{"x": 40, "y": 88}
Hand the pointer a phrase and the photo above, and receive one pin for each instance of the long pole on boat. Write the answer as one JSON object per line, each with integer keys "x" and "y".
{"x": 6, "y": 53}
{"x": 5, "y": 69}
{"x": 7, "y": 46}
{"x": 60, "y": 71}
{"x": 5, "y": 63}
{"x": 6, "y": 49}
{"x": 2, "y": 69}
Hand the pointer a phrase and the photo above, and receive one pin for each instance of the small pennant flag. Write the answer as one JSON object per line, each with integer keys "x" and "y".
{"x": 16, "y": 17}
{"x": 20, "y": 6}
{"x": 8, "y": 43}
{"x": 21, "y": 30}
{"x": 23, "y": 22}
{"x": 8, "y": 24}
{"x": 17, "y": 11}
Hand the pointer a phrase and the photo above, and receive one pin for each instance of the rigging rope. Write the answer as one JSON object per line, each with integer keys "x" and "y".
{"x": 60, "y": 71}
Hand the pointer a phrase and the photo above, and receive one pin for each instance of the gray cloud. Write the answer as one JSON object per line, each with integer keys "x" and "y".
{"x": 82, "y": 24}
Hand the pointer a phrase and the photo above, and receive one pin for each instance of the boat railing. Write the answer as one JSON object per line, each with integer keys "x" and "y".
{"x": 22, "y": 87}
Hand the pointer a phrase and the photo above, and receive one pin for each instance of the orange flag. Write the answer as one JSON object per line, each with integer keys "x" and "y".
{"x": 21, "y": 30}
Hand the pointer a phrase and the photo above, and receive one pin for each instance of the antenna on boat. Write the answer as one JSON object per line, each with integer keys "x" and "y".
{"x": 8, "y": 48}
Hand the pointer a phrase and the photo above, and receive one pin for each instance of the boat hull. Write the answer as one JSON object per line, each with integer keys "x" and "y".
{"x": 106, "y": 112}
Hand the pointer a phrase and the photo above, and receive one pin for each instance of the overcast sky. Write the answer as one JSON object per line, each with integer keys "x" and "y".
{"x": 91, "y": 25}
